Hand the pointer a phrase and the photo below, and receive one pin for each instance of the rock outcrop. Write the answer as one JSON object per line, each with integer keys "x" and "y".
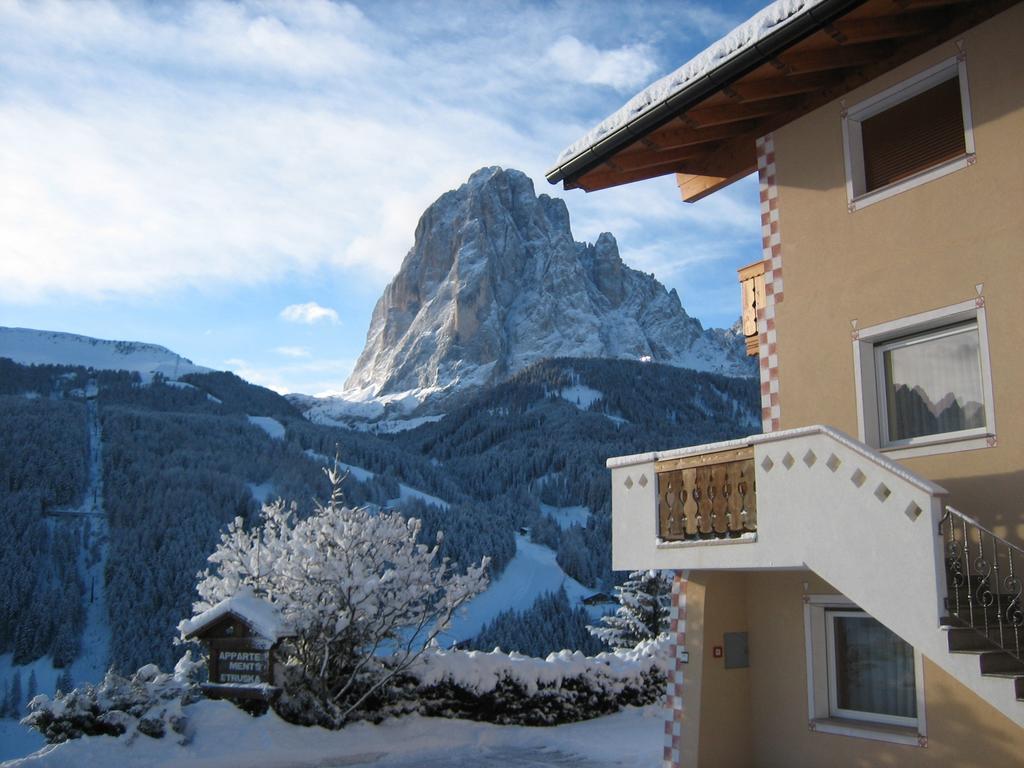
{"x": 495, "y": 281}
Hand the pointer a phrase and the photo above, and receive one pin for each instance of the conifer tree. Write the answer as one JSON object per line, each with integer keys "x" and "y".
{"x": 642, "y": 614}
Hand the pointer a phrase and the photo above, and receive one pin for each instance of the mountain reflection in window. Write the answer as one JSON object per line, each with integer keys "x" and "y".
{"x": 932, "y": 383}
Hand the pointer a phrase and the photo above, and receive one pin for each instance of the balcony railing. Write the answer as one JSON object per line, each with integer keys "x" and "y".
{"x": 985, "y": 576}
{"x": 707, "y": 496}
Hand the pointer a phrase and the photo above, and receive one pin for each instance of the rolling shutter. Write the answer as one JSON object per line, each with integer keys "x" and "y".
{"x": 916, "y": 134}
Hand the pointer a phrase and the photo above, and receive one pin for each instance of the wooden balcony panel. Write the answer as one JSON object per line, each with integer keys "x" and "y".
{"x": 707, "y": 496}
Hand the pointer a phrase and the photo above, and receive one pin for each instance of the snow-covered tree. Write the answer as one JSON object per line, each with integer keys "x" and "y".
{"x": 644, "y": 600}
{"x": 363, "y": 596}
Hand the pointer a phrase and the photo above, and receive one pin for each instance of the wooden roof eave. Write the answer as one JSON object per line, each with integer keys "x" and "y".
{"x": 756, "y": 55}
{"x": 710, "y": 143}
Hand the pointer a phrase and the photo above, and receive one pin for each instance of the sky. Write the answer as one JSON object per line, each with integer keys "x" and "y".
{"x": 238, "y": 181}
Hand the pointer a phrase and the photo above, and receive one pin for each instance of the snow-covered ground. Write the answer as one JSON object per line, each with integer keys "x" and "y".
{"x": 226, "y": 737}
{"x": 271, "y": 426}
{"x": 532, "y": 572}
{"x": 581, "y": 396}
{"x": 566, "y": 517}
{"x": 261, "y": 492}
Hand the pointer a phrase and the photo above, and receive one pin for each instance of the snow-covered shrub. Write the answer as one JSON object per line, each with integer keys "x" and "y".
{"x": 355, "y": 586}
{"x": 510, "y": 688}
{"x": 149, "y": 702}
{"x": 644, "y": 600}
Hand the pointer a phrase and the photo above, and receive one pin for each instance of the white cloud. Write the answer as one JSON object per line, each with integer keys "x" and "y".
{"x": 292, "y": 351}
{"x": 309, "y": 313}
{"x": 146, "y": 148}
{"x": 326, "y": 374}
{"x": 623, "y": 68}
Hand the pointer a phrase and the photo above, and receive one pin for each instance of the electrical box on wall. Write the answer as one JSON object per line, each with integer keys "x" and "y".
{"x": 736, "y": 654}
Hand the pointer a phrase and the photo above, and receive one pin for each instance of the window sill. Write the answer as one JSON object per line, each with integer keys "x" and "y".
{"x": 940, "y": 445}
{"x": 893, "y": 734}
{"x": 922, "y": 177}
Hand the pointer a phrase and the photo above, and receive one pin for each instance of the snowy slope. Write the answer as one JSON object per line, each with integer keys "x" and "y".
{"x": 273, "y": 427}
{"x": 362, "y": 475}
{"x": 532, "y": 572}
{"x": 32, "y": 347}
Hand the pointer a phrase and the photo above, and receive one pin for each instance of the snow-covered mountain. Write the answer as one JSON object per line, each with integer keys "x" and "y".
{"x": 32, "y": 347}
{"x": 495, "y": 282}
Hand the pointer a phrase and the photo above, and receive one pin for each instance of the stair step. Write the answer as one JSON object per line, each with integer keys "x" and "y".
{"x": 962, "y": 639}
{"x": 1001, "y": 664}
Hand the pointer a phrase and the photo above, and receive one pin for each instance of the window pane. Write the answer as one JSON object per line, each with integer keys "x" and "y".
{"x": 922, "y": 131}
{"x": 933, "y": 385}
{"x": 874, "y": 668}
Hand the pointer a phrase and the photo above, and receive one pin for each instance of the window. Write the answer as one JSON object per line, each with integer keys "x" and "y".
{"x": 924, "y": 383}
{"x": 862, "y": 679}
{"x": 870, "y": 670}
{"x": 931, "y": 384}
{"x": 908, "y": 135}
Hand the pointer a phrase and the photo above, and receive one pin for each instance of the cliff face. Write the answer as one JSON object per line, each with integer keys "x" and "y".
{"x": 495, "y": 281}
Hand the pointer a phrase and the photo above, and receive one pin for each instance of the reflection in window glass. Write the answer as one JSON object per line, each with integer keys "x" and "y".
{"x": 874, "y": 668}
{"x": 933, "y": 384}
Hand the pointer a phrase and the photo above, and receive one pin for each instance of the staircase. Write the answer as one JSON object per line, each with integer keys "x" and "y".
{"x": 985, "y": 616}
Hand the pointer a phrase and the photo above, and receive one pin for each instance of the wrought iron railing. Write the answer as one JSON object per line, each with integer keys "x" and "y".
{"x": 707, "y": 496}
{"x": 985, "y": 579}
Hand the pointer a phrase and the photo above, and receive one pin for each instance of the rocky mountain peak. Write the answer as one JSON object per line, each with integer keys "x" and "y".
{"x": 495, "y": 281}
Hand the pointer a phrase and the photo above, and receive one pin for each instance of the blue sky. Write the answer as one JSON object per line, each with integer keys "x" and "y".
{"x": 238, "y": 181}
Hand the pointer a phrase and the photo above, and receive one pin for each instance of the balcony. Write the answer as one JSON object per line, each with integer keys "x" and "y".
{"x": 789, "y": 499}
{"x": 707, "y": 496}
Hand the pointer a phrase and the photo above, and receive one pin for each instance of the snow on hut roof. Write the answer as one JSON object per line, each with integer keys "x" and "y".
{"x": 262, "y": 616}
{"x": 769, "y": 19}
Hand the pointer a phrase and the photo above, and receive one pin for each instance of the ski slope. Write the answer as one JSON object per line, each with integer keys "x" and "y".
{"x": 532, "y": 572}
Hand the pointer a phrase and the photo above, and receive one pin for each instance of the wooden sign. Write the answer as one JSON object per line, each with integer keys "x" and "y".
{"x": 241, "y": 666}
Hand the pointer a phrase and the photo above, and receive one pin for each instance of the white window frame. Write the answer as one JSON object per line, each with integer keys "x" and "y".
{"x": 869, "y": 380}
{"x": 823, "y": 716}
{"x": 853, "y": 149}
{"x": 831, "y": 614}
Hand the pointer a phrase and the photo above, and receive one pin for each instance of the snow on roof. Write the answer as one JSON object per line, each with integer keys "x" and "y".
{"x": 262, "y": 616}
{"x": 767, "y": 20}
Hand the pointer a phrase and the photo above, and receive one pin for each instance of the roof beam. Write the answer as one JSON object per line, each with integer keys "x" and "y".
{"x": 838, "y": 57}
{"x": 632, "y": 160}
{"x": 678, "y": 134}
{"x": 693, "y": 187}
{"x": 874, "y": 28}
{"x": 774, "y": 87}
{"x": 602, "y": 178}
{"x": 734, "y": 113}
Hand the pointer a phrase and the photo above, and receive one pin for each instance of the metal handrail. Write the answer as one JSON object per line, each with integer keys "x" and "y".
{"x": 984, "y": 575}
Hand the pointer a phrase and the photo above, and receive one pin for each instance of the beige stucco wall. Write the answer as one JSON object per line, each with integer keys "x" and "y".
{"x": 758, "y": 717}
{"x": 920, "y": 250}
{"x": 724, "y": 718}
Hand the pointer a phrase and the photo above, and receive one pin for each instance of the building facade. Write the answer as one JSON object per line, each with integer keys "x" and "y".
{"x": 848, "y": 583}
